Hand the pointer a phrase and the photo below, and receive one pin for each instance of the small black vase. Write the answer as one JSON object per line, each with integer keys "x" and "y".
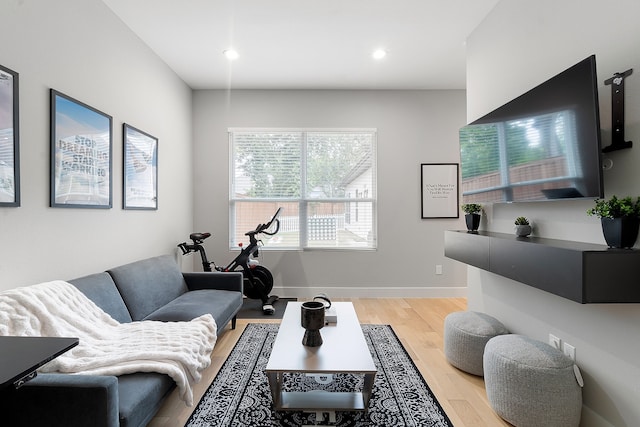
{"x": 312, "y": 320}
{"x": 620, "y": 232}
{"x": 473, "y": 221}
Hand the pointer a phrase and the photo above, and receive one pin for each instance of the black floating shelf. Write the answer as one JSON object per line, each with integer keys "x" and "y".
{"x": 582, "y": 272}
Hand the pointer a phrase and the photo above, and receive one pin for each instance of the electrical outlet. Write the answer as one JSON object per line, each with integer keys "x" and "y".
{"x": 569, "y": 350}
{"x": 555, "y": 342}
{"x": 438, "y": 269}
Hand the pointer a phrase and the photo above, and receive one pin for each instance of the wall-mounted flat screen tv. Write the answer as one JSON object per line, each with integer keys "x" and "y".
{"x": 543, "y": 145}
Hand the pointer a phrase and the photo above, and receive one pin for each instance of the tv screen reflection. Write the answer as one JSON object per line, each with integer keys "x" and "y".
{"x": 524, "y": 159}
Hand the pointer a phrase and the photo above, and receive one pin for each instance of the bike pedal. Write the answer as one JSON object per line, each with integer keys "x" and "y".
{"x": 268, "y": 309}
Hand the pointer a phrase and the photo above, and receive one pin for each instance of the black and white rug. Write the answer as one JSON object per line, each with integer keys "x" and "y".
{"x": 240, "y": 396}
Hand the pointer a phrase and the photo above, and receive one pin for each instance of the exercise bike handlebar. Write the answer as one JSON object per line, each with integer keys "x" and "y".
{"x": 262, "y": 228}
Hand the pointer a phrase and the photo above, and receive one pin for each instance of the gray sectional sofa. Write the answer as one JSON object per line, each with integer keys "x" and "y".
{"x": 150, "y": 289}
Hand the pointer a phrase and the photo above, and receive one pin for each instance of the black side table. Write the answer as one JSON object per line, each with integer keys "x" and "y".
{"x": 21, "y": 356}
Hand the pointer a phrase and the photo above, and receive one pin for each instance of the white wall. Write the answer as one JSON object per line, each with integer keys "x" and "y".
{"x": 519, "y": 45}
{"x": 80, "y": 48}
{"x": 413, "y": 127}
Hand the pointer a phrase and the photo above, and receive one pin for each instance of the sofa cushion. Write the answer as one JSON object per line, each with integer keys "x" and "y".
{"x": 222, "y": 305}
{"x": 141, "y": 395}
{"x": 148, "y": 284}
{"x": 100, "y": 289}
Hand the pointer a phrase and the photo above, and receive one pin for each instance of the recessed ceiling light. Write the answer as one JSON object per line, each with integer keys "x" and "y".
{"x": 231, "y": 54}
{"x": 379, "y": 54}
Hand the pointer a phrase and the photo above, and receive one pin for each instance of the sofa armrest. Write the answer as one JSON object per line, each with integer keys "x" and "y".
{"x": 65, "y": 400}
{"x": 225, "y": 281}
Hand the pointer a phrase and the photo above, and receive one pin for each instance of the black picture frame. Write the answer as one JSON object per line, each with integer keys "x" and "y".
{"x": 439, "y": 187}
{"x": 140, "y": 169}
{"x": 9, "y": 138}
{"x": 81, "y": 154}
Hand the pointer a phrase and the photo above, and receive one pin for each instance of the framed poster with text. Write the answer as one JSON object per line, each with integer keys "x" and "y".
{"x": 439, "y": 184}
{"x": 81, "y": 143}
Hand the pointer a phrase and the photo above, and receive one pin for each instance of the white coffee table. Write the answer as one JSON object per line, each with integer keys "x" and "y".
{"x": 344, "y": 350}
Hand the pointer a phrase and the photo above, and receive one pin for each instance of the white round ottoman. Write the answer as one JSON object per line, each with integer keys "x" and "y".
{"x": 465, "y": 335}
{"x": 531, "y": 384}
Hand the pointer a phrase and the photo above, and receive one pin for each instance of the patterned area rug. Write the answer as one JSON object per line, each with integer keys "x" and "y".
{"x": 240, "y": 396}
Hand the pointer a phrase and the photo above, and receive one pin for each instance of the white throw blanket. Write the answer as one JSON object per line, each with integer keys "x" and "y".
{"x": 58, "y": 309}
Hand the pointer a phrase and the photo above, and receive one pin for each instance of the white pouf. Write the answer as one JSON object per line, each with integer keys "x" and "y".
{"x": 465, "y": 335}
{"x": 531, "y": 384}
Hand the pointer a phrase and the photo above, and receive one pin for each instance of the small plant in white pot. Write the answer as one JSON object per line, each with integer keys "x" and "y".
{"x": 472, "y": 211}
{"x": 523, "y": 227}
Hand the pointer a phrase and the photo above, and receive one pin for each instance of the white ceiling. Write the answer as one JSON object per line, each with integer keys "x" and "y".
{"x": 309, "y": 44}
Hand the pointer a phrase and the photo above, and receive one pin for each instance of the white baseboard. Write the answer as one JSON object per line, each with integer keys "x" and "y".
{"x": 377, "y": 292}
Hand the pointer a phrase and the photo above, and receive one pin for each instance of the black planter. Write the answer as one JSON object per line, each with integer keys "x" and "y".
{"x": 620, "y": 232}
{"x": 473, "y": 221}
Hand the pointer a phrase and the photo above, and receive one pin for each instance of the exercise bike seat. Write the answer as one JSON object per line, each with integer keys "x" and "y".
{"x": 199, "y": 237}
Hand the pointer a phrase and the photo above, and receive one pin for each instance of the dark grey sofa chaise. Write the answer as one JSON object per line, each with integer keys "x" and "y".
{"x": 150, "y": 289}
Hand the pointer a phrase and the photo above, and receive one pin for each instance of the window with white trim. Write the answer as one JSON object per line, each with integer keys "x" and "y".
{"x": 325, "y": 181}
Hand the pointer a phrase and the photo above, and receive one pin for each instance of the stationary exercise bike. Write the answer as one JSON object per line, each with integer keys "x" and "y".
{"x": 258, "y": 280}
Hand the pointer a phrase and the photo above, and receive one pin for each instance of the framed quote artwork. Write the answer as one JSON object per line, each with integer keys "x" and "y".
{"x": 81, "y": 144}
{"x": 439, "y": 183}
{"x": 140, "y": 169}
{"x": 9, "y": 139}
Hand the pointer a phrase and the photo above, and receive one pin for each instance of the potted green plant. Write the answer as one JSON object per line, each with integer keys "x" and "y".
{"x": 523, "y": 227}
{"x": 620, "y": 219}
{"x": 472, "y": 211}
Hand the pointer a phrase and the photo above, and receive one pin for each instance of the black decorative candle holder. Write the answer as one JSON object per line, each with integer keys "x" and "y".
{"x": 312, "y": 320}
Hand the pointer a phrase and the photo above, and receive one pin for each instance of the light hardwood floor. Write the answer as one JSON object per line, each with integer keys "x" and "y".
{"x": 418, "y": 322}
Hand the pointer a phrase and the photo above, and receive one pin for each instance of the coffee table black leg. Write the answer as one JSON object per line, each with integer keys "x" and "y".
{"x": 367, "y": 388}
{"x": 275, "y": 384}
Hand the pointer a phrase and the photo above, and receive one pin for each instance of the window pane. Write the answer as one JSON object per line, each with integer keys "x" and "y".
{"x": 266, "y": 165}
{"x": 340, "y": 225}
{"x": 339, "y": 164}
{"x": 250, "y": 214}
